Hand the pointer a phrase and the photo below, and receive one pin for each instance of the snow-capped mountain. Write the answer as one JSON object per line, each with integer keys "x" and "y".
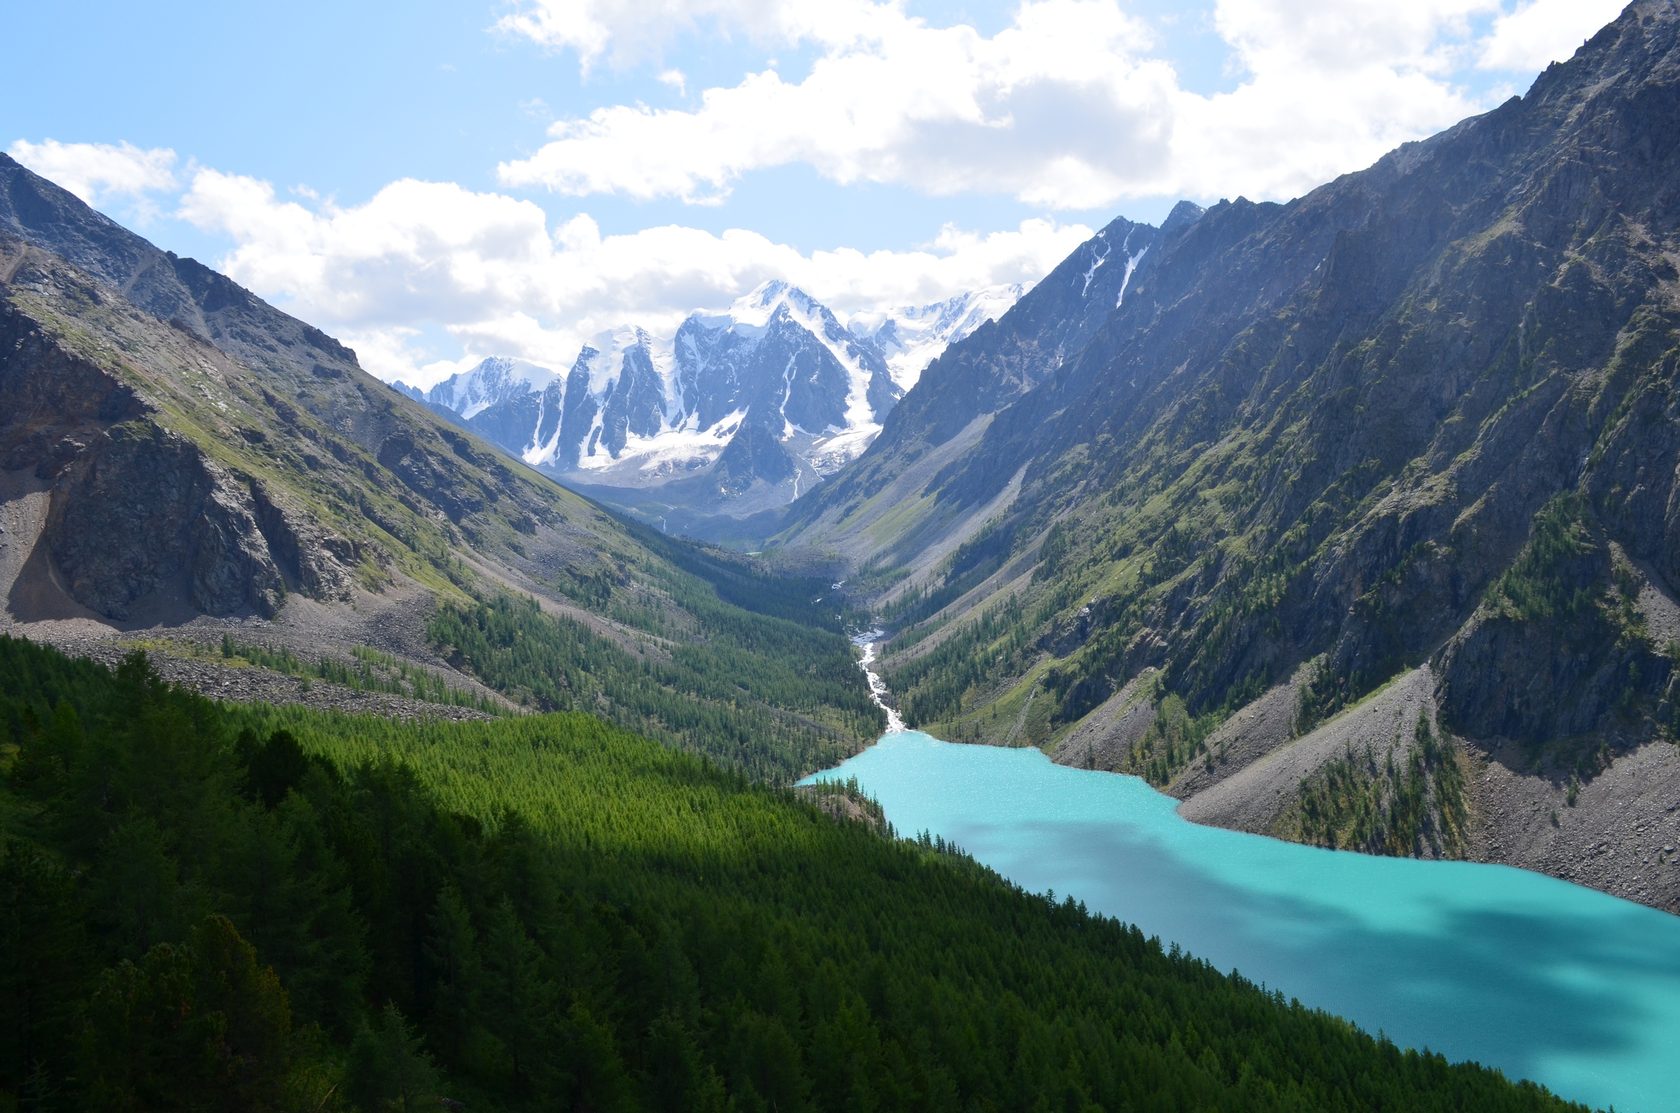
{"x": 913, "y": 337}
{"x": 497, "y": 399}
{"x": 492, "y": 382}
{"x": 763, "y": 399}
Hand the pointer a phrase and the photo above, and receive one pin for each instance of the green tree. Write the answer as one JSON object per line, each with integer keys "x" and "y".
{"x": 388, "y": 1068}
{"x": 194, "y": 1026}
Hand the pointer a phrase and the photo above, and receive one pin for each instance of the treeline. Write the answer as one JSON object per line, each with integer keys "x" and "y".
{"x": 760, "y": 693}
{"x": 215, "y": 908}
{"x": 373, "y": 671}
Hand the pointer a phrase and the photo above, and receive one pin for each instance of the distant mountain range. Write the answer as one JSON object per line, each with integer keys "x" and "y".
{"x": 753, "y": 406}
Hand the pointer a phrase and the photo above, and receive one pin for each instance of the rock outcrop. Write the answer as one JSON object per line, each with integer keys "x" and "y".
{"x": 140, "y": 517}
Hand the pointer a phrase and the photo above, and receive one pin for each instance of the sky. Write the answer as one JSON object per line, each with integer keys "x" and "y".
{"x": 436, "y": 182}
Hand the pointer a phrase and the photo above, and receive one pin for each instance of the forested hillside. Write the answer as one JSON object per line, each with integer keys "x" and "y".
{"x": 764, "y": 694}
{"x": 215, "y": 908}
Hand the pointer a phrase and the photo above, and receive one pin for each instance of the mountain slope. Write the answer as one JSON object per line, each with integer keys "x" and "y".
{"x": 1423, "y": 417}
{"x": 861, "y": 512}
{"x": 177, "y": 455}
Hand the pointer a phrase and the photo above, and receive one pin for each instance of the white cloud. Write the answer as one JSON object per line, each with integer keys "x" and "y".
{"x": 1544, "y": 31}
{"x": 490, "y": 272}
{"x": 1068, "y": 107}
{"x": 100, "y": 173}
{"x": 1347, "y": 37}
{"x": 1053, "y": 110}
{"x": 628, "y": 31}
{"x": 1323, "y": 92}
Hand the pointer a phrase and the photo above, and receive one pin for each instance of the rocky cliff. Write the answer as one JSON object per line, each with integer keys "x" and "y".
{"x": 140, "y": 519}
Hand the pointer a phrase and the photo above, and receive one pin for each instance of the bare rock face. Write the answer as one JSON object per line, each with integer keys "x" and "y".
{"x": 1561, "y": 646}
{"x": 51, "y": 402}
{"x": 141, "y": 513}
{"x": 312, "y": 560}
{"x": 1508, "y": 679}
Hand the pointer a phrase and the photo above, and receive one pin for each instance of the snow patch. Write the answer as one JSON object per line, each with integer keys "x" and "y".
{"x": 494, "y": 381}
{"x": 1132, "y": 262}
{"x": 912, "y": 337}
{"x": 1096, "y": 263}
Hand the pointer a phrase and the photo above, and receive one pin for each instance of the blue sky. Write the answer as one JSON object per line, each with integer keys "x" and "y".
{"x": 436, "y": 182}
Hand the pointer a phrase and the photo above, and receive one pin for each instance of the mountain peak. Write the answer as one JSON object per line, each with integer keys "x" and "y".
{"x": 493, "y": 380}
{"x": 769, "y": 295}
{"x": 639, "y": 409}
{"x": 1183, "y": 214}
{"x": 911, "y": 337}
{"x": 508, "y": 369}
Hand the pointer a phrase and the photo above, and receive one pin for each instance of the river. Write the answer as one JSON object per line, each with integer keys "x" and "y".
{"x": 1546, "y": 980}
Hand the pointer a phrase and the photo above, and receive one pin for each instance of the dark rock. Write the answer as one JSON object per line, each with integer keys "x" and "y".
{"x": 143, "y": 515}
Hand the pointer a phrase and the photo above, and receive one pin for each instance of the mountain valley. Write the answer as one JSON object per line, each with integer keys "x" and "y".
{"x": 504, "y": 744}
{"x": 184, "y": 462}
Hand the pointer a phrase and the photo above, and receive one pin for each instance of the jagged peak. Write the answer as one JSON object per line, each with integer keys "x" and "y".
{"x": 510, "y": 368}
{"x": 996, "y": 298}
{"x": 1183, "y": 214}
{"x": 1648, "y": 28}
{"x": 490, "y": 381}
{"x": 696, "y": 378}
{"x": 768, "y": 296}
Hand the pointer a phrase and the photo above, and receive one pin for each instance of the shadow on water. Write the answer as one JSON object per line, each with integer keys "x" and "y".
{"x": 1511, "y": 988}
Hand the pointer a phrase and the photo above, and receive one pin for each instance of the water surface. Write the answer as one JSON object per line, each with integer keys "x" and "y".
{"x": 1543, "y": 979}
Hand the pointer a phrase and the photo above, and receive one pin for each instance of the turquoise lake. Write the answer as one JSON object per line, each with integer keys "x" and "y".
{"x": 1546, "y": 980}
